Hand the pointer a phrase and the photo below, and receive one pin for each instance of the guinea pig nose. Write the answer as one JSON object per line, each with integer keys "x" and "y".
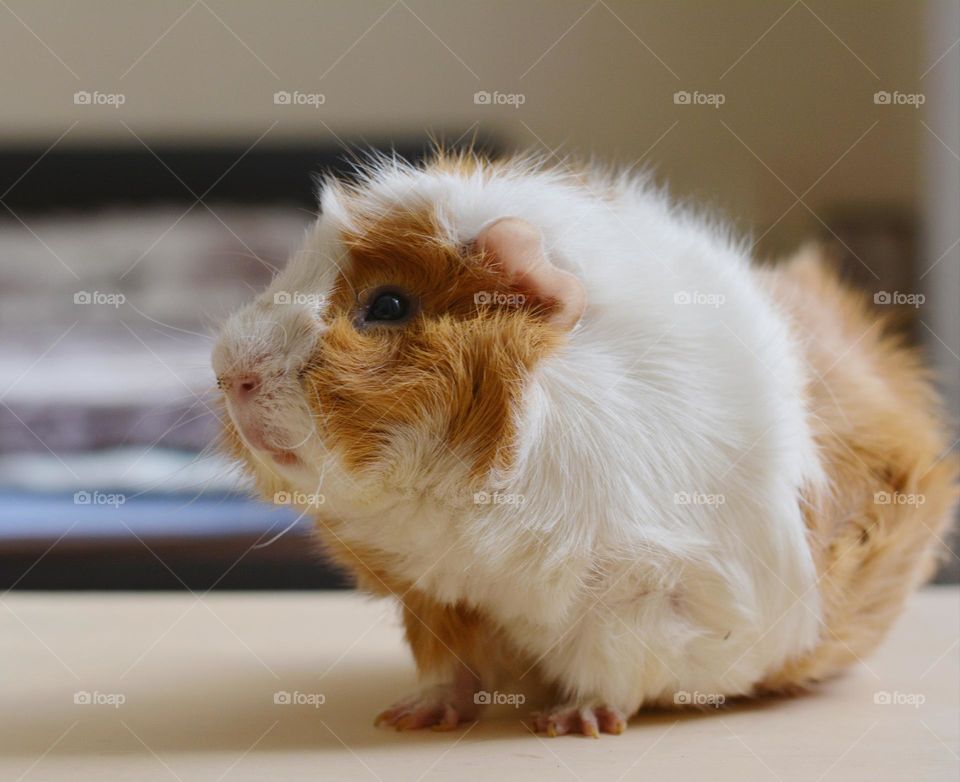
{"x": 244, "y": 387}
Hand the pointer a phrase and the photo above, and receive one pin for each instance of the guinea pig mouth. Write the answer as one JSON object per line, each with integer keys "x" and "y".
{"x": 253, "y": 437}
{"x": 281, "y": 456}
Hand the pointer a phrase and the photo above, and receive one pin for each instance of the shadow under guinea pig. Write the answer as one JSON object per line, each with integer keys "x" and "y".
{"x": 234, "y": 711}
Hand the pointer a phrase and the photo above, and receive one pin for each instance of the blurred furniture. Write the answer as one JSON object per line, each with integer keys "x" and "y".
{"x": 877, "y": 250}
{"x": 118, "y": 265}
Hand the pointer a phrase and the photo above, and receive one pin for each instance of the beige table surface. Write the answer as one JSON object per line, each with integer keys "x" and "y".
{"x": 198, "y": 676}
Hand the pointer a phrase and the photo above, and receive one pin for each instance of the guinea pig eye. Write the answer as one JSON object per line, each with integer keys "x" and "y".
{"x": 388, "y": 306}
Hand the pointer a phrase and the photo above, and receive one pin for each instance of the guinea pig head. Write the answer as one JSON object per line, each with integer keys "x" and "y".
{"x": 394, "y": 350}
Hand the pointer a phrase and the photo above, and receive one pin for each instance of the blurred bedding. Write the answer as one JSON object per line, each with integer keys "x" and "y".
{"x": 104, "y": 367}
{"x": 106, "y": 321}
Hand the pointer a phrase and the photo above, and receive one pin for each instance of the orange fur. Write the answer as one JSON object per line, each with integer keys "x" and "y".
{"x": 443, "y": 638}
{"x": 455, "y": 370}
{"x": 880, "y": 432}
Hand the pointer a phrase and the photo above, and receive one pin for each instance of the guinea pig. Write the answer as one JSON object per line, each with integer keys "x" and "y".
{"x": 585, "y": 442}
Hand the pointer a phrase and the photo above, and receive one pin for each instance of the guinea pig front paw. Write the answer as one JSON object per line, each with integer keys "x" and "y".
{"x": 586, "y": 720}
{"x": 442, "y": 707}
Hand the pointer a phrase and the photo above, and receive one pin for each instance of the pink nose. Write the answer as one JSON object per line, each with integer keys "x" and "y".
{"x": 244, "y": 387}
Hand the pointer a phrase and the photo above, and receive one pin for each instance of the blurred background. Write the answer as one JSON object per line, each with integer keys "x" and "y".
{"x": 157, "y": 164}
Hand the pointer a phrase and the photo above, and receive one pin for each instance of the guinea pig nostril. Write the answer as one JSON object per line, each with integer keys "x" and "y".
{"x": 245, "y": 386}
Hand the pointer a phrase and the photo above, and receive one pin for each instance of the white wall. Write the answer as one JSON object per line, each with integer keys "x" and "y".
{"x": 798, "y": 95}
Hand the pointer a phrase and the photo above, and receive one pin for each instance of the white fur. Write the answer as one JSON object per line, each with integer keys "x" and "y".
{"x": 621, "y": 593}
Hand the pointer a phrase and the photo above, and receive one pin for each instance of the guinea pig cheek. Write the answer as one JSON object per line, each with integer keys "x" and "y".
{"x": 349, "y": 388}
{"x": 438, "y": 399}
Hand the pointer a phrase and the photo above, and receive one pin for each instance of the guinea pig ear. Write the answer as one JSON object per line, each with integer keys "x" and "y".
{"x": 518, "y": 248}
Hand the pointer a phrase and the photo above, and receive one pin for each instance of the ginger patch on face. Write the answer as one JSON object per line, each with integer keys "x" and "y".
{"x": 449, "y": 374}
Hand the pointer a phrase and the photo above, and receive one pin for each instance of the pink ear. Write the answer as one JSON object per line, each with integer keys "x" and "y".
{"x": 518, "y": 247}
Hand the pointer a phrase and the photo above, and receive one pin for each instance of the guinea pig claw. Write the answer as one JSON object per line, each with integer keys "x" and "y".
{"x": 406, "y": 723}
{"x": 449, "y": 721}
{"x": 589, "y": 721}
{"x": 390, "y": 716}
{"x": 439, "y": 708}
{"x": 611, "y": 720}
